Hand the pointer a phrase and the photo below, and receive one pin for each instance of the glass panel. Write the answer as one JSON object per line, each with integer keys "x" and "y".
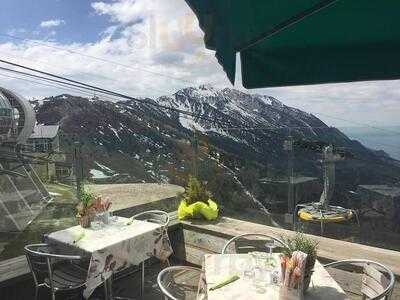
{"x": 259, "y": 174}
{"x": 35, "y": 199}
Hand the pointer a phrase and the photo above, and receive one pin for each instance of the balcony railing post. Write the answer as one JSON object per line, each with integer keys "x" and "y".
{"x": 291, "y": 204}
{"x": 78, "y": 165}
{"x": 195, "y": 146}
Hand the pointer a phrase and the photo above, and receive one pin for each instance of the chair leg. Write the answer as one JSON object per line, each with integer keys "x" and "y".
{"x": 53, "y": 295}
{"x": 142, "y": 285}
{"x": 110, "y": 288}
{"x": 105, "y": 289}
{"x": 36, "y": 292}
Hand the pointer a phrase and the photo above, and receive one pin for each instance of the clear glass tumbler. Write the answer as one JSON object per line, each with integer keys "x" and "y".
{"x": 97, "y": 222}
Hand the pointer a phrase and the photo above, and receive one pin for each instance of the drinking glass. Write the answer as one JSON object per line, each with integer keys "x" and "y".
{"x": 248, "y": 273}
{"x": 106, "y": 217}
{"x": 261, "y": 274}
{"x": 97, "y": 222}
{"x": 113, "y": 218}
{"x": 270, "y": 245}
{"x": 259, "y": 279}
{"x": 248, "y": 269}
{"x": 276, "y": 277}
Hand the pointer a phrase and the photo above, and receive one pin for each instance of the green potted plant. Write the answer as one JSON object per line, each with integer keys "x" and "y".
{"x": 196, "y": 202}
{"x": 300, "y": 242}
{"x": 85, "y": 209}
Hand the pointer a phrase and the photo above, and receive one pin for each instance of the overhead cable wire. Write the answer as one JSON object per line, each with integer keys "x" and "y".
{"x": 83, "y": 73}
{"x": 82, "y": 92}
{"x": 156, "y": 73}
{"x": 79, "y": 86}
{"x": 67, "y": 81}
{"x": 93, "y": 88}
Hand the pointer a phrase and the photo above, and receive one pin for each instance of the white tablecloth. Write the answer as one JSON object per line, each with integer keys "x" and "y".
{"x": 218, "y": 266}
{"x": 113, "y": 247}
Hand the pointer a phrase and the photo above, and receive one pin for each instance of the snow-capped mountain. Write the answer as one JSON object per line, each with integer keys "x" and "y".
{"x": 233, "y": 108}
{"x": 235, "y": 130}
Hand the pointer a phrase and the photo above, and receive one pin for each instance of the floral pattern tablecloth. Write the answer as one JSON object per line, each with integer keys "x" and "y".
{"x": 113, "y": 247}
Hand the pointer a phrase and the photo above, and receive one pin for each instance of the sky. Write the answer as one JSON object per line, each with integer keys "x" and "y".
{"x": 148, "y": 48}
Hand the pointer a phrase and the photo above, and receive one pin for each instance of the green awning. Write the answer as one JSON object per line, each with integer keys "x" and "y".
{"x": 296, "y": 42}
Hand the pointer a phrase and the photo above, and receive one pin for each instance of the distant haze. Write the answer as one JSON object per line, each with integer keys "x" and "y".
{"x": 386, "y": 138}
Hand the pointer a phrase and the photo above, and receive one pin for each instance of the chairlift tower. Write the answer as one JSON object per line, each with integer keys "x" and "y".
{"x": 323, "y": 212}
{"x": 195, "y": 147}
{"x": 288, "y": 146}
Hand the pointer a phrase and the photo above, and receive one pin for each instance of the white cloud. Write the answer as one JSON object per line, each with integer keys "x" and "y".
{"x": 124, "y": 11}
{"x": 52, "y": 23}
{"x": 162, "y": 37}
{"x": 166, "y": 40}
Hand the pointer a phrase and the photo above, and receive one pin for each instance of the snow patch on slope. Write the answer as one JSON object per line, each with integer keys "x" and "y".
{"x": 97, "y": 174}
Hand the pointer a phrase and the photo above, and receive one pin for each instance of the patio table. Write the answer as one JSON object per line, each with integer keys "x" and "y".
{"x": 218, "y": 266}
{"x": 116, "y": 246}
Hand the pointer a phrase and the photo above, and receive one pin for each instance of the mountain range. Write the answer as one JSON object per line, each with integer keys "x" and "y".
{"x": 229, "y": 138}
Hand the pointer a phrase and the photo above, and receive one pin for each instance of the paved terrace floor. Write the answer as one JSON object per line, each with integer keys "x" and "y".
{"x": 128, "y": 286}
{"x": 125, "y": 196}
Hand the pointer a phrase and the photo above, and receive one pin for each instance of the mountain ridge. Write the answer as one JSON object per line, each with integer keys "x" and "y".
{"x": 241, "y": 131}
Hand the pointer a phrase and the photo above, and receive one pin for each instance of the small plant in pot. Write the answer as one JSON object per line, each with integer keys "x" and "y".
{"x": 85, "y": 210}
{"x": 196, "y": 202}
{"x": 300, "y": 242}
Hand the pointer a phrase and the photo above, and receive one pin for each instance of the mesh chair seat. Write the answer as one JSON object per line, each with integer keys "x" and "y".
{"x": 179, "y": 282}
{"x": 56, "y": 272}
{"x": 67, "y": 276}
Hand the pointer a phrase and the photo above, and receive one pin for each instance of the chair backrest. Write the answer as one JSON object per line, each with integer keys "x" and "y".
{"x": 37, "y": 261}
{"x": 179, "y": 282}
{"x": 249, "y": 242}
{"x": 154, "y": 216}
{"x": 40, "y": 261}
{"x": 374, "y": 282}
{"x": 377, "y": 280}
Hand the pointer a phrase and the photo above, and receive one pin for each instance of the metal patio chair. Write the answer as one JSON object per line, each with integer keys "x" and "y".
{"x": 154, "y": 216}
{"x": 179, "y": 282}
{"x": 56, "y": 272}
{"x": 250, "y": 242}
{"x": 377, "y": 280}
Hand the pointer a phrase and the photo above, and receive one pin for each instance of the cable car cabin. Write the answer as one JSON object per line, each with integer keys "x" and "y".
{"x": 17, "y": 118}
{"x": 6, "y": 119}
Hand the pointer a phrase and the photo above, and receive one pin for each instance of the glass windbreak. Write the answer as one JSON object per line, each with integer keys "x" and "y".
{"x": 259, "y": 160}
